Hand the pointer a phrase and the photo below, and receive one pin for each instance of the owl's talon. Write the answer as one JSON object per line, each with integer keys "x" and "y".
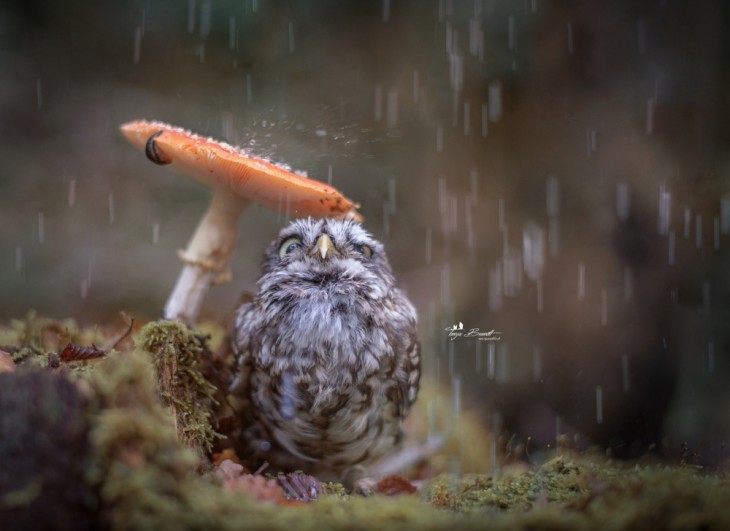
{"x": 365, "y": 486}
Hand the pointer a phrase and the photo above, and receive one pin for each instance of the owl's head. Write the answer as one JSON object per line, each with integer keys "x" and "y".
{"x": 319, "y": 251}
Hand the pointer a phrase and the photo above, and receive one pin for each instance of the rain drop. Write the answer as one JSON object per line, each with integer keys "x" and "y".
{"x": 622, "y": 201}
{"x": 467, "y": 121}
{"x": 687, "y": 222}
{"x": 570, "y": 37}
{"x": 710, "y": 356}
{"x": 716, "y": 232}
{"x": 439, "y": 138}
{"x": 291, "y": 37}
{"x": 665, "y": 204}
{"x": 649, "y": 116}
{"x": 725, "y": 215}
{"x": 485, "y": 120}
{"x": 625, "y": 373}
{"x": 41, "y": 228}
{"x": 378, "y": 103}
{"x": 18, "y": 260}
{"x": 232, "y": 33}
{"x": 72, "y": 193}
{"x": 604, "y": 307}
{"x": 510, "y": 32}
{"x": 641, "y": 36}
{"x": 495, "y": 101}
{"x": 137, "y": 54}
{"x": 155, "y": 232}
{"x": 491, "y": 360}
{"x": 536, "y": 364}
{"x": 581, "y": 281}
{"x": 191, "y": 16}
{"x": 386, "y": 10}
{"x": 553, "y": 196}
{"x": 39, "y": 93}
{"x": 533, "y": 250}
{"x": 599, "y": 404}
{"x": 391, "y": 112}
{"x": 706, "y": 297}
{"x": 698, "y": 231}
{"x": 671, "y": 247}
{"x": 415, "y": 86}
{"x": 456, "y": 395}
{"x": 429, "y": 244}
{"x": 111, "y": 208}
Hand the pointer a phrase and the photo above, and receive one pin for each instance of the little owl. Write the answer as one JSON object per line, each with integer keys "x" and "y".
{"x": 327, "y": 354}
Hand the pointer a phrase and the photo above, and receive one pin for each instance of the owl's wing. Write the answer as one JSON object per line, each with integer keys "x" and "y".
{"x": 412, "y": 368}
{"x": 241, "y": 385}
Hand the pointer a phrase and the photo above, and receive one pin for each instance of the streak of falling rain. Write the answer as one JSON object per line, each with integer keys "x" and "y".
{"x": 468, "y": 223}
{"x": 476, "y": 38}
{"x": 501, "y": 225}
{"x": 72, "y": 193}
{"x": 227, "y": 128}
{"x": 18, "y": 260}
{"x": 554, "y": 236}
{"x": 485, "y": 120}
{"x": 671, "y": 244}
{"x": 687, "y": 222}
{"x": 451, "y": 357}
{"x": 232, "y": 33}
{"x": 155, "y": 232}
{"x": 378, "y": 111}
{"x": 569, "y": 30}
{"x": 622, "y": 201}
{"x": 439, "y": 138}
{"x": 456, "y": 71}
{"x": 456, "y": 395}
{"x": 39, "y": 93}
{"x": 698, "y": 231}
{"x": 581, "y": 281}
{"x": 649, "y": 116}
{"x": 41, "y": 228}
{"x": 111, "y": 208}
{"x": 599, "y": 404}
{"x": 716, "y": 232}
{"x": 191, "y": 16}
{"x": 491, "y": 360}
{"x": 386, "y": 10}
{"x": 494, "y": 101}
{"x": 641, "y": 36}
{"x": 467, "y": 118}
{"x": 429, "y": 245}
{"x": 391, "y": 109}
{"x": 495, "y": 288}
{"x": 665, "y": 207}
{"x": 453, "y": 219}
{"x": 710, "y": 356}
{"x": 478, "y": 357}
{"x": 510, "y": 32}
{"x": 533, "y": 5}
{"x": 604, "y": 307}
{"x": 536, "y": 364}
{"x": 137, "y": 54}
{"x": 540, "y": 299}
{"x": 628, "y": 283}
{"x": 533, "y": 250}
{"x": 725, "y": 215}
{"x": 552, "y": 196}
{"x": 416, "y": 86}
{"x": 512, "y": 275}
{"x": 291, "y": 38}
{"x": 386, "y": 219}
{"x": 591, "y": 142}
{"x": 391, "y": 194}
{"x": 329, "y": 174}
{"x": 625, "y": 373}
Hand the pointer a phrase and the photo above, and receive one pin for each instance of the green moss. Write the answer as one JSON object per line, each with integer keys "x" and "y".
{"x": 176, "y": 353}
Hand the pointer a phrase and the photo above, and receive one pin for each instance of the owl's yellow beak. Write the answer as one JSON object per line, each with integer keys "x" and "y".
{"x": 325, "y": 246}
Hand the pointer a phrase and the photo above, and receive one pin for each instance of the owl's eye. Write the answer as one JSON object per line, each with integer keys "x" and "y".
{"x": 289, "y": 245}
{"x": 364, "y": 250}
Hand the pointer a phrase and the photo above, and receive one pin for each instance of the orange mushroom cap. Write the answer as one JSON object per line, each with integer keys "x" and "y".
{"x": 217, "y": 164}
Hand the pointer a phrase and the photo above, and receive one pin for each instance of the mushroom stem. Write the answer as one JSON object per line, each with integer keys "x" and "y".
{"x": 207, "y": 256}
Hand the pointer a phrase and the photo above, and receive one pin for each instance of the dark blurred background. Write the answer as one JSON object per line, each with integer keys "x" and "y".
{"x": 557, "y": 171}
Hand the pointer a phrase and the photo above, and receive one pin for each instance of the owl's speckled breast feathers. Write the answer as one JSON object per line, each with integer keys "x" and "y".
{"x": 328, "y": 360}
